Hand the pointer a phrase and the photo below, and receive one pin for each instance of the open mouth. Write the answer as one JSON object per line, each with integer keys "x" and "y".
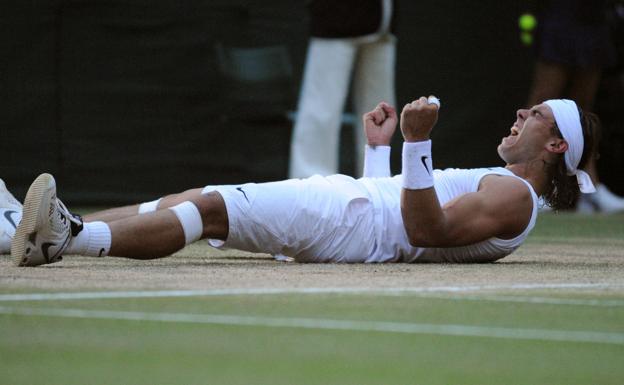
{"x": 508, "y": 140}
{"x": 512, "y": 137}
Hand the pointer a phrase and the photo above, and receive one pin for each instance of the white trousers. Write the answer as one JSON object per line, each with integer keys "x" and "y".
{"x": 329, "y": 66}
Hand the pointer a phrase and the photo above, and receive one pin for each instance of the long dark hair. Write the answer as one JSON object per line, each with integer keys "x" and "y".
{"x": 564, "y": 191}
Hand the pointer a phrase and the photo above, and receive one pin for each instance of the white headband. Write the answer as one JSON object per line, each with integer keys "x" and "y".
{"x": 569, "y": 123}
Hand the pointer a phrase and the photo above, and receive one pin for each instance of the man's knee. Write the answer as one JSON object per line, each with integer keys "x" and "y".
{"x": 214, "y": 215}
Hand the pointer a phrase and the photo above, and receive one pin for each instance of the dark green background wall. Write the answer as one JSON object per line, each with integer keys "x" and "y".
{"x": 125, "y": 100}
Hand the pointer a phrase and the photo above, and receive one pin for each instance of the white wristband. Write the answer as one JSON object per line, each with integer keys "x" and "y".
{"x": 377, "y": 161}
{"x": 417, "y": 165}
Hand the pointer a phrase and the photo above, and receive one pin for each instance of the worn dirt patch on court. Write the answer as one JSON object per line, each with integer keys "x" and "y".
{"x": 202, "y": 267}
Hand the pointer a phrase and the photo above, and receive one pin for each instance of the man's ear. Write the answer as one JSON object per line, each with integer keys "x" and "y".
{"x": 557, "y": 146}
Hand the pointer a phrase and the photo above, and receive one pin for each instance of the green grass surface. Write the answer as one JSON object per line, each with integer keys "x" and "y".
{"x": 54, "y": 350}
{"x": 37, "y": 349}
{"x": 68, "y": 351}
{"x": 571, "y": 227}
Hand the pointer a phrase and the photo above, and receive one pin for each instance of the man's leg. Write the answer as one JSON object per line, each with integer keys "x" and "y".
{"x": 162, "y": 233}
{"x": 117, "y": 213}
{"x": 373, "y": 82}
{"x": 549, "y": 82}
{"x": 113, "y": 214}
{"x": 314, "y": 144}
{"x": 48, "y": 230}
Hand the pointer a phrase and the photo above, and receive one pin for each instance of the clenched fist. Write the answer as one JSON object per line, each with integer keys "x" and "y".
{"x": 418, "y": 119}
{"x": 379, "y": 124}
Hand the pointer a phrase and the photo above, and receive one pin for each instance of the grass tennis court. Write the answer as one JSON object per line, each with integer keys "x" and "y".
{"x": 551, "y": 313}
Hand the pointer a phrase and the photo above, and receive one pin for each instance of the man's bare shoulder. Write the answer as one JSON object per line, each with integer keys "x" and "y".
{"x": 510, "y": 199}
{"x": 504, "y": 183}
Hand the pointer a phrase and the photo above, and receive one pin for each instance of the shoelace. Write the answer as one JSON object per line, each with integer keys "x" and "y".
{"x": 62, "y": 217}
{"x": 76, "y": 222}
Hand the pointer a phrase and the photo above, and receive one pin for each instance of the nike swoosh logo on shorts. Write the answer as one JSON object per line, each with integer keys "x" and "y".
{"x": 241, "y": 190}
{"x": 7, "y": 215}
{"x": 423, "y": 160}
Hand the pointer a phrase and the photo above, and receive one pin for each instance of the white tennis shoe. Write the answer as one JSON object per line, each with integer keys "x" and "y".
{"x": 603, "y": 200}
{"x": 46, "y": 226}
{"x": 10, "y": 216}
{"x": 9, "y": 219}
{"x": 7, "y": 200}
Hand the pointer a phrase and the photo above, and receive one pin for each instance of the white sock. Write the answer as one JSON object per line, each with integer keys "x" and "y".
{"x": 190, "y": 219}
{"x": 94, "y": 240}
{"x": 149, "y": 207}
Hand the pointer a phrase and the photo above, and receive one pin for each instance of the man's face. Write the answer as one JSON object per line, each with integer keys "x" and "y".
{"x": 529, "y": 135}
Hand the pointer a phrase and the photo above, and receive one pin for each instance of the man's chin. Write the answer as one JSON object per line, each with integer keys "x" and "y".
{"x": 501, "y": 152}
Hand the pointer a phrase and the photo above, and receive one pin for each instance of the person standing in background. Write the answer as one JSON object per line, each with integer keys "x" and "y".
{"x": 573, "y": 46}
{"x": 352, "y": 43}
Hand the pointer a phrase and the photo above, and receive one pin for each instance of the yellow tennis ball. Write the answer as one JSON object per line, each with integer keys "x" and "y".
{"x": 527, "y": 22}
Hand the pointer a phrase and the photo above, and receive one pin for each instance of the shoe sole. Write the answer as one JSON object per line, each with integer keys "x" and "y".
{"x": 30, "y": 216}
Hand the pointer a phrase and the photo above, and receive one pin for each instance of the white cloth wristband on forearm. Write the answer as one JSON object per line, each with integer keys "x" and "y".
{"x": 417, "y": 165}
{"x": 376, "y": 161}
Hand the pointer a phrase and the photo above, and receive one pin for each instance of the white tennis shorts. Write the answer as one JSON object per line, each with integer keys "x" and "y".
{"x": 318, "y": 219}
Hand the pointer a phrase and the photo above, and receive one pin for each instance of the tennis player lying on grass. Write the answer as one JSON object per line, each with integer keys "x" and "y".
{"x": 422, "y": 215}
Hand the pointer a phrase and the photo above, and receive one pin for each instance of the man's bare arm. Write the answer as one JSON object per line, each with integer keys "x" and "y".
{"x": 379, "y": 126}
{"x": 500, "y": 208}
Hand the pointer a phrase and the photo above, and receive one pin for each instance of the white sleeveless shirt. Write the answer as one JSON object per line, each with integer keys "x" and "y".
{"x": 393, "y": 244}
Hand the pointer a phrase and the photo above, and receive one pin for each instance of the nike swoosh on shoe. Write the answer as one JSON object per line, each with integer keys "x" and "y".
{"x": 7, "y": 215}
